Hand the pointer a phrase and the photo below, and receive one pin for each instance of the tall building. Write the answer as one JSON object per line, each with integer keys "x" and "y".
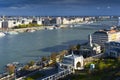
{"x": 102, "y": 36}
{"x": 112, "y": 49}
{"x": 0, "y": 24}
{"x": 8, "y": 24}
{"x": 58, "y": 20}
{"x": 118, "y": 21}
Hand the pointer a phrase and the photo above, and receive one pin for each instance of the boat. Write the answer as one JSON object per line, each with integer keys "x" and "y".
{"x": 49, "y": 28}
{"x": 11, "y": 32}
{"x": 30, "y": 30}
{"x": 2, "y": 34}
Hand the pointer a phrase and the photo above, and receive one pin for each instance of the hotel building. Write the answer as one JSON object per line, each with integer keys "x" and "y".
{"x": 102, "y": 36}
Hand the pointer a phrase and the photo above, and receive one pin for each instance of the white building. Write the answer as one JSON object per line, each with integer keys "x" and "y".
{"x": 25, "y": 21}
{"x": 39, "y": 22}
{"x": 66, "y": 21}
{"x": 0, "y": 24}
{"x": 118, "y": 21}
{"x": 7, "y": 24}
{"x": 102, "y": 36}
{"x": 112, "y": 49}
{"x": 58, "y": 20}
{"x": 95, "y": 47}
{"x": 72, "y": 61}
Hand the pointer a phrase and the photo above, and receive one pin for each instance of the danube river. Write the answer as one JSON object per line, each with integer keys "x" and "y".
{"x": 30, "y": 46}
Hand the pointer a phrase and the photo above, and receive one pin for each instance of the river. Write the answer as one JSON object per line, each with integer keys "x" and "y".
{"x": 30, "y": 46}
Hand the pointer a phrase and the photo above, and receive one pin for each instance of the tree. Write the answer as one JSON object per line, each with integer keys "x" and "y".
{"x": 78, "y": 46}
{"x": 31, "y": 63}
{"x": 72, "y": 48}
{"x": 26, "y": 67}
{"x": 53, "y": 57}
{"x": 44, "y": 58}
{"x": 11, "y": 68}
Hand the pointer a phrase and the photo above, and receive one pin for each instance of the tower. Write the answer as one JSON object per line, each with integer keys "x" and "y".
{"x": 90, "y": 41}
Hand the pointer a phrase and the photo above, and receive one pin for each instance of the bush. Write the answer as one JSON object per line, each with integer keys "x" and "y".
{"x": 31, "y": 63}
{"x": 101, "y": 65}
{"x": 29, "y": 78}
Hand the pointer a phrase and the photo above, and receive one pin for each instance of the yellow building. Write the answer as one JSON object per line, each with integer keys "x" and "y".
{"x": 102, "y": 36}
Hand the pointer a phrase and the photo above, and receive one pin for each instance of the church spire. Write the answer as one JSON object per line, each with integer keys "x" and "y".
{"x": 90, "y": 41}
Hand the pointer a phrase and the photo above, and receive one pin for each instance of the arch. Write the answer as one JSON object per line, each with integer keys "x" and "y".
{"x": 78, "y": 64}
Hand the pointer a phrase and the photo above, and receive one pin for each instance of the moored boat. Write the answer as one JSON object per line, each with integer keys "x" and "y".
{"x": 2, "y": 34}
{"x": 11, "y": 32}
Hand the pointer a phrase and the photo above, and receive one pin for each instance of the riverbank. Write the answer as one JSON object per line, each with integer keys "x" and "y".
{"x": 20, "y": 30}
{"x": 32, "y": 29}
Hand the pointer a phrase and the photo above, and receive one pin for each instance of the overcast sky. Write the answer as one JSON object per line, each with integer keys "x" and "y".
{"x": 59, "y": 7}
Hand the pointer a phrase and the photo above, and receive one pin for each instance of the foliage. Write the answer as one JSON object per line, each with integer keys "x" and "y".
{"x": 27, "y": 25}
{"x": 11, "y": 69}
{"x": 102, "y": 65}
{"x": 44, "y": 58}
{"x": 26, "y": 67}
{"x": 53, "y": 57}
{"x": 105, "y": 69}
{"x": 31, "y": 63}
{"x": 29, "y": 78}
{"x": 78, "y": 46}
{"x": 72, "y": 48}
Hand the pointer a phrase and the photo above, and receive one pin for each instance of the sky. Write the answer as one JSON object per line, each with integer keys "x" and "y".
{"x": 59, "y": 7}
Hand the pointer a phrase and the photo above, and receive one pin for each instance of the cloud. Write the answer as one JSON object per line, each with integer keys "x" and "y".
{"x": 98, "y": 8}
{"x": 108, "y": 7}
{"x": 17, "y": 7}
{"x": 15, "y": 3}
{"x": 57, "y": 6}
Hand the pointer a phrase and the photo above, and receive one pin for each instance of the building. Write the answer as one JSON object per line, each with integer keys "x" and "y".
{"x": 73, "y": 62}
{"x": 37, "y": 21}
{"x": 0, "y": 24}
{"x": 102, "y": 36}
{"x": 5, "y": 24}
{"x": 66, "y": 21}
{"x": 9, "y": 24}
{"x": 94, "y": 46}
{"x": 112, "y": 49}
{"x": 58, "y": 20}
{"x": 25, "y": 21}
{"x": 118, "y": 21}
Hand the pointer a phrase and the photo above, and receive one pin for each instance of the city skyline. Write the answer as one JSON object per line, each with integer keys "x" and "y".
{"x": 59, "y": 7}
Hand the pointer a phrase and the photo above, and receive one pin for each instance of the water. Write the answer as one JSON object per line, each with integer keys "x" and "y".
{"x": 29, "y": 46}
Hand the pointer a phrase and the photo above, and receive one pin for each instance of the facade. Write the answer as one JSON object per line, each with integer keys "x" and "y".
{"x": 9, "y": 24}
{"x": 94, "y": 46}
{"x": 112, "y": 49}
{"x": 118, "y": 21}
{"x": 25, "y": 21}
{"x": 72, "y": 62}
{"x": 58, "y": 20}
{"x": 0, "y": 24}
{"x": 102, "y": 36}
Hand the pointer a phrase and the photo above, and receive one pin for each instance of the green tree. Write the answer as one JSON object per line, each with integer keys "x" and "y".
{"x": 78, "y": 46}
{"x": 29, "y": 78}
{"x": 102, "y": 65}
{"x": 11, "y": 69}
{"x": 44, "y": 58}
{"x": 31, "y": 63}
{"x": 53, "y": 57}
{"x": 26, "y": 67}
